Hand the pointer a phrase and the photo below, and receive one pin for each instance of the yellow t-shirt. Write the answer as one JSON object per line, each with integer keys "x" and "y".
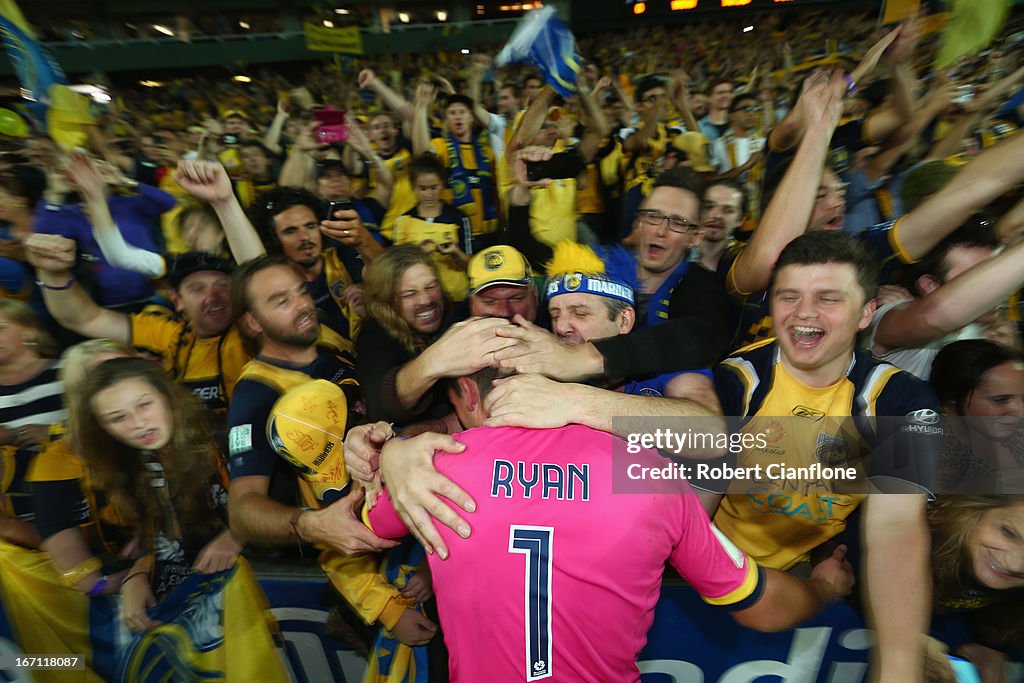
{"x": 208, "y": 366}
{"x": 402, "y": 196}
{"x": 779, "y": 521}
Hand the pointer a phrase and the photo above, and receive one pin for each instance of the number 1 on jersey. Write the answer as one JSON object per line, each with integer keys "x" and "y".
{"x": 535, "y": 543}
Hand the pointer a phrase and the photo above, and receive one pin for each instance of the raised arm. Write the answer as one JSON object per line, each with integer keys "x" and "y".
{"x": 953, "y": 305}
{"x": 299, "y": 168}
{"x": 272, "y": 138}
{"x": 595, "y": 127}
{"x": 208, "y": 181}
{"x": 360, "y": 144}
{"x": 93, "y": 187}
{"x": 391, "y": 99}
{"x": 980, "y": 182}
{"x": 531, "y": 122}
{"x": 478, "y": 66}
{"x": 791, "y": 128}
{"x": 420, "y": 126}
{"x": 790, "y": 208}
{"x": 680, "y": 94}
{"x": 54, "y": 257}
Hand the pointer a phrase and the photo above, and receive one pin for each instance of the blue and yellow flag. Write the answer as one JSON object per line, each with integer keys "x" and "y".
{"x": 35, "y": 67}
{"x": 543, "y": 39}
{"x": 972, "y": 26}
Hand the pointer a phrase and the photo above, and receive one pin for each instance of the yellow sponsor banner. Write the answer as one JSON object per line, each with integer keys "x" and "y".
{"x": 323, "y": 39}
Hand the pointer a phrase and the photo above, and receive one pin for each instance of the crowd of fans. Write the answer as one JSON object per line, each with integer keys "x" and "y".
{"x": 805, "y": 226}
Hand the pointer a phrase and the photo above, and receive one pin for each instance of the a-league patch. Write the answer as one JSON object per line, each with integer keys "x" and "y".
{"x": 240, "y": 439}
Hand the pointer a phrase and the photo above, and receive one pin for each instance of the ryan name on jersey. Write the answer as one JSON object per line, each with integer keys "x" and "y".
{"x": 543, "y": 480}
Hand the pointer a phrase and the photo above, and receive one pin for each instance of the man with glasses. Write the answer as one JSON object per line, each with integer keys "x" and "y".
{"x": 645, "y": 144}
{"x": 740, "y": 150}
{"x": 668, "y": 226}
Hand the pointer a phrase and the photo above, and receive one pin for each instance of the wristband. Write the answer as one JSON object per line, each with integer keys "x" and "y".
{"x": 98, "y": 587}
{"x": 851, "y": 85}
{"x": 66, "y": 285}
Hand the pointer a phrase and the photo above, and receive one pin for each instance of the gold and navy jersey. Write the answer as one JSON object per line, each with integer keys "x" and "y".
{"x": 641, "y": 169}
{"x": 403, "y": 198}
{"x": 877, "y": 419}
{"x": 208, "y": 366}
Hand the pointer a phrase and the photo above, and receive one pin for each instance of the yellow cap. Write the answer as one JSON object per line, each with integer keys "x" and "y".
{"x": 498, "y": 265}
{"x": 307, "y": 428}
{"x": 697, "y": 148}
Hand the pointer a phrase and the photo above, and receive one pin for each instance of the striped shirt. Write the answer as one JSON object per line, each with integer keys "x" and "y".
{"x": 36, "y": 401}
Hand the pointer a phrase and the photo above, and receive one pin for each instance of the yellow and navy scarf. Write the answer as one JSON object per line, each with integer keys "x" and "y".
{"x": 463, "y": 181}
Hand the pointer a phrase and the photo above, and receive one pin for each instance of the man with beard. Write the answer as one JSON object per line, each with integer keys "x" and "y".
{"x": 722, "y": 213}
{"x": 279, "y": 324}
{"x": 405, "y": 348}
{"x": 289, "y": 223}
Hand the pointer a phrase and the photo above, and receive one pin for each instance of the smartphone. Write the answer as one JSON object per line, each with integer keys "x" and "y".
{"x": 337, "y": 205}
{"x": 228, "y": 139}
{"x": 567, "y": 164}
{"x": 333, "y": 125}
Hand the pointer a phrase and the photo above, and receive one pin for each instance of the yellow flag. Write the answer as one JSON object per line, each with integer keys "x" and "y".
{"x": 972, "y": 26}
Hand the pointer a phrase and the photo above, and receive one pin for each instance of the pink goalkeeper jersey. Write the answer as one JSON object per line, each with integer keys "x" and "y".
{"x": 560, "y": 577}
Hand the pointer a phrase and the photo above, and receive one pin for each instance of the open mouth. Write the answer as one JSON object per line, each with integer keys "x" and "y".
{"x": 427, "y": 315}
{"x": 999, "y": 570}
{"x": 806, "y": 337}
{"x": 836, "y": 222}
{"x": 655, "y": 251}
{"x": 149, "y": 437}
{"x": 305, "y": 321}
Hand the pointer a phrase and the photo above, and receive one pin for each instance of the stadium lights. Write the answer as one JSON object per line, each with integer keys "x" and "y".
{"x": 242, "y": 78}
{"x": 465, "y": 51}
{"x": 639, "y": 8}
{"x": 748, "y": 29}
{"x": 403, "y": 17}
{"x": 163, "y": 29}
{"x": 341, "y": 10}
{"x": 151, "y": 84}
{"x": 442, "y": 15}
{"x": 328, "y": 23}
{"x": 245, "y": 25}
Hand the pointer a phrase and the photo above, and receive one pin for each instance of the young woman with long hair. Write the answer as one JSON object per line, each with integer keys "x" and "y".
{"x": 978, "y": 570}
{"x": 149, "y": 525}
